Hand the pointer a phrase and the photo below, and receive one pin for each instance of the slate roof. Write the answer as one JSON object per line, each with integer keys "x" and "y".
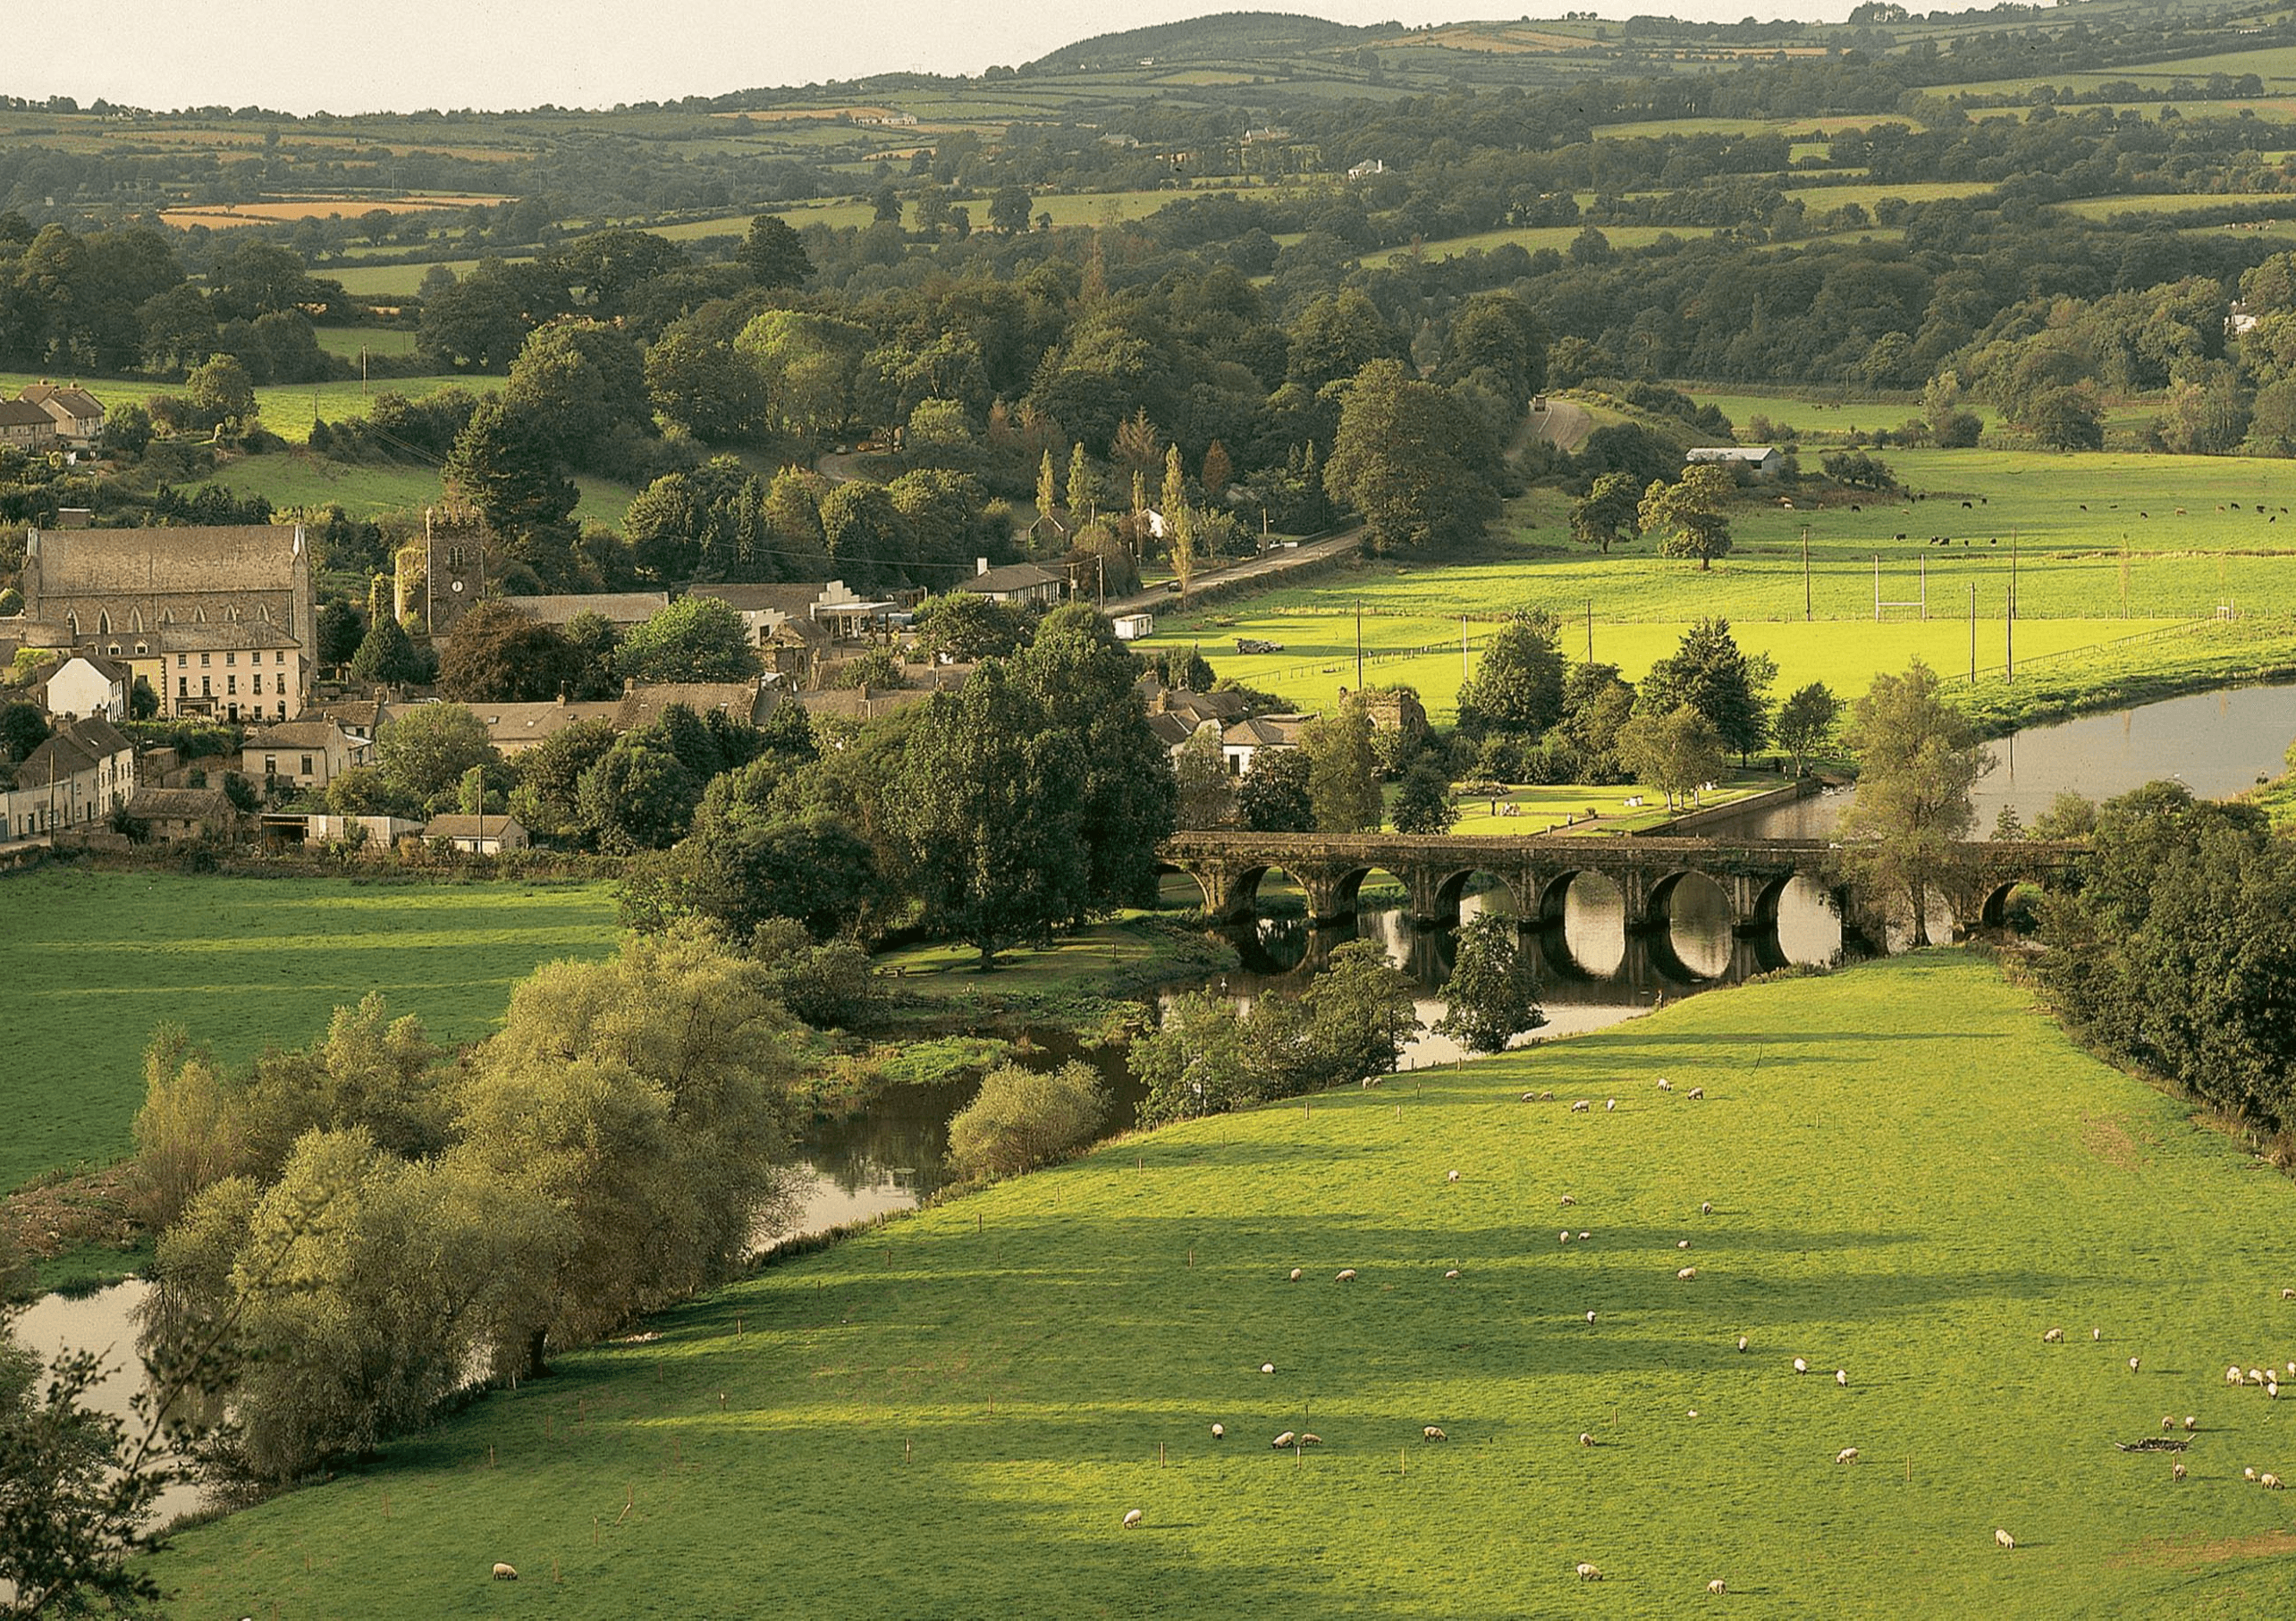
{"x": 213, "y": 558}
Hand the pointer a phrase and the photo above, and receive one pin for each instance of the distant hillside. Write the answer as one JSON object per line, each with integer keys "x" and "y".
{"x": 1226, "y": 35}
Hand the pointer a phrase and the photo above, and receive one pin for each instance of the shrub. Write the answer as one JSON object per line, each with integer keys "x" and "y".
{"x": 1025, "y": 1116}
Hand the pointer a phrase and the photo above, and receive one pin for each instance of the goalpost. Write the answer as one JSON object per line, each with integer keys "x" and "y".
{"x": 1920, "y": 603}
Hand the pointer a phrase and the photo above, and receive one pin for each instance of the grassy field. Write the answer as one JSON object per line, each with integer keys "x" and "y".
{"x": 100, "y": 958}
{"x": 1912, "y": 1176}
{"x": 2176, "y": 202}
{"x": 287, "y": 408}
{"x": 300, "y": 478}
{"x": 348, "y": 341}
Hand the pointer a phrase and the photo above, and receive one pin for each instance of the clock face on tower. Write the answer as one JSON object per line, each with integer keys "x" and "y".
{"x": 456, "y": 586}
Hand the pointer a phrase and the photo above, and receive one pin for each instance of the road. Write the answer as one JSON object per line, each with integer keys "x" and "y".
{"x": 1265, "y": 565}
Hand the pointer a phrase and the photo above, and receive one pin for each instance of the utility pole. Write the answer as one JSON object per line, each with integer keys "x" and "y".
{"x": 2009, "y": 624}
{"x": 1359, "y": 645}
{"x": 1590, "y": 630}
{"x": 1805, "y": 573}
{"x": 1463, "y": 650}
{"x": 1972, "y": 633}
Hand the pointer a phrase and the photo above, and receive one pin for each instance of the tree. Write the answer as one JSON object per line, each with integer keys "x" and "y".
{"x": 1023, "y": 1118}
{"x": 1412, "y": 461}
{"x": 342, "y": 631}
{"x": 774, "y": 255}
{"x": 1518, "y": 687}
{"x": 1690, "y": 514}
{"x": 2064, "y": 419}
{"x": 1273, "y": 795}
{"x": 1048, "y": 487}
{"x": 425, "y": 752}
{"x": 1207, "y": 792}
{"x": 692, "y": 379}
{"x": 636, "y": 1115}
{"x": 1917, "y": 758}
{"x": 2070, "y": 815}
{"x": 744, "y": 871}
{"x": 506, "y": 470}
{"x": 989, "y": 806}
{"x": 1009, "y": 210}
{"x": 497, "y": 654}
{"x": 221, "y": 394}
{"x": 1805, "y": 721}
{"x": 1709, "y": 671}
{"x": 385, "y": 654}
{"x": 1362, "y": 1010}
{"x": 1342, "y": 768}
{"x": 573, "y": 384}
{"x": 637, "y": 797}
{"x": 968, "y": 628}
{"x": 697, "y": 638}
{"x": 1179, "y": 523}
{"x": 550, "y": 775}
{"x": 1674, "y": 751}
{"x": 1423, "y": 803}
{"x": 23, "y": 727}
{"x": 1492, "y": 995}
{"x": 1608, "y": 512}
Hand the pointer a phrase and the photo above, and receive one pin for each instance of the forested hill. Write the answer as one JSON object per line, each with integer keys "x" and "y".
{"x": 1266, "y": 37}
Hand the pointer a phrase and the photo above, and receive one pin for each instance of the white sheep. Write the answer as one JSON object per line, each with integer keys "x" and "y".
{"x": 1285, "y": 1440}
{"x": 2270, "y": 1482}
{"x": 1698, "y": 1092}
{"x": 2166, "y": 1424}
{"x": 1219, "y": 1433}
{"x": 1842, "y": 1378}
{"x": 2256, "y": 1376}
{"x": 1610, "y": 1104}
{"x": 1583, "y": 1236}
{"x": 1800, "y": 1366}
{"x": 1588, "y": 1573}
{"x": 1347, "y": 1274}
{"x": 1530, "y": 1097}
{"x": 1434, "y": 1433}
{"x": 1716, "y": 1587}
{"x": 2247, "y": 1474}
{"x": 2133, "y": 1364}
{"x": 2232, "y": 1375}
{"x": 1451, "y": 1276}
{"x": 2176, "y": 1470}
{"x": 1581, "y": 1107}
{"x": 1568, "y": 1200}
{"x": 2288, "y": 1294}
{"x": 2004, "y": 1538}
{"x": 1682, "y": 1243}
{"x": 2272, "y": 1392}
{"x": 2191, "y": 1424}
{"x": 505, "y": 1573}
{"x": 1742, "y": 1342}
{"x": 1706, "y": 1208}
{"x": 1686, "y": 1274}
{"x": 1267, "y": 1367}
{"x": 1590, "y": 1316}
{"x": 1309, "y": 1438}
{"x": 2053, "y": 1337}
{"x": 1131, "y": 1518}
{"x": 1450, "y": 1175}
{"x": 1847, "y": 1454}
{"x": 1564, "y": 1237}
{"x": 2097, "y": 1334}
{"x": 1585, "y": 1439}
{"x": 1296, "y": 1274}
{"x": 1665, "y": 1085}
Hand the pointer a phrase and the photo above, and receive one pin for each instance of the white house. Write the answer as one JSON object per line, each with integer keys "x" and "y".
{"x": 72, "y": 782}
{"x": 477, "y": 835}
{"x": 89, "y": 684}
{"x": 1762, "y": 460}
{"x": 1243, "y": 741}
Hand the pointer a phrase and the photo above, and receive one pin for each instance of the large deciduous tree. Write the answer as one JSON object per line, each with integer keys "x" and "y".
{"x": 1518, "y": 687}
{"x": 1690, "y": 515}
{"x": 1712, "y": 674}
{"x": 1918, "y": 757}
{"x": 497, "y": 654}
{"x": 1608, "y": 512}
{"x": 1412, "y": 461}
{"x": 1492, "y": 995}
{"x": 697, "y": 638}
{"x": 1342, "y": 768}
{"x": 424, "y": 754}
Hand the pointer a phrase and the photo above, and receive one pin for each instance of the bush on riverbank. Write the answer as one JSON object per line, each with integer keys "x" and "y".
{"x": 1024, "y": 1118}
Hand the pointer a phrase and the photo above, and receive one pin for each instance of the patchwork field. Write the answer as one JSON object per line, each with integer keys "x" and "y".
{"x": 100, "y": 958}
{"x": 1913, "y": 1175}
{"x": 287, "y": 408}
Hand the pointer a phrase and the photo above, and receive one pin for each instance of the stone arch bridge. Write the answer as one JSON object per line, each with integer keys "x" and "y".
{"x": 1436, "y": 870}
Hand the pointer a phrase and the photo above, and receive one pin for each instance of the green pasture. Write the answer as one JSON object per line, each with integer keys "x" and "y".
{"x": 286, "y": 408}
{"x": 98, "y": 959}
{"x": 2176, "y": 202}
{"x": 400, "y": 281}
{"x": 348, "y": 341}
{"x": 301, "y": 477}
{"x": 1819, "y": 198}
{"x": 1582, "y": 808}
{"x": 1913, "y": 1173}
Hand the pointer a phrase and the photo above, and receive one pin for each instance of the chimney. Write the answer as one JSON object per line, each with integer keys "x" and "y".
{"x": 980, "y": 567}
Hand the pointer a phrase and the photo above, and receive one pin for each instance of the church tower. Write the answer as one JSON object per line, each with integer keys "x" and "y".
{"x": 454, "y": 566}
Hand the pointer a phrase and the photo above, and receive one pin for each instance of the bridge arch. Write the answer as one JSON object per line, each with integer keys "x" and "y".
{"x": 1167, "y": 892}
{"x": 1553, "y": 898}
{"x": 1454, "y": 887}
{"x": 1657, "y": 910}
{"x": 1996, "y": 909}
{"x": 1347, "y": 890}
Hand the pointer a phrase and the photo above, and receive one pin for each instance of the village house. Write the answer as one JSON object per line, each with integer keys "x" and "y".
{"x": 1014, "y": 583}
{"x": 1242, "y": 742}
{"x": 175, "y": 816}
{"x": 301, "y": 754}
{"x": 26, "y": 426}
{"x": 515, "y": 728}
{"x": 87, "y": 684}
{"x": 620, "y": 609}
{"x": 78, "y": 414}
{"x": 72, "y": 782}
{"x": 236, "y": 672}
{"x": 477, "y": 835}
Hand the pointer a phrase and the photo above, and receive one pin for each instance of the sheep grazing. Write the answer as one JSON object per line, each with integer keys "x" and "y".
{"x": 2288, "y": 1294}
{"x": 1800, "y": 1366}
{"x": 1131, "y": 1518}
{"x": 1568, "y": 1200}
{"x": 1581, "y": 1107}
{"x": 1219, "y": 1433}
{"x": 1588, "y": 1573}
{"x": 1590, "y": 1316}
{"x": 1347, "y": 1274}
{"x": 2270, "y": 1482}
{"x": 1585, "y": 1439}
{"x": 2053, "y": 1337}
{"x": 1267, "y": 1367}
{"x": 505, "y": 1573}
{"x": 1610, "y": 1104}
{"x": 1682, "y": 1243}
{"x": 1665, "y": 1085}
{"x": 2272, "y": 1392}
{"x": 1530, "y": 1097}
{"x": 1686, "y": 1274}
{"x": 1296, "y": 1274}
{"x": 1585, "y": 1236}
{"x": 1451, "y": 1276}
{"x": 1564, "y": 1237}
{"x": 1742, "y": 1342}
{"x": 2191, "y": 1424}
{"x": 1706, "y": 1208}
{"x": 2256, "y": 1376}
{"x": 2096, "y": 1333}
{"x": 2247, "y": 1474}
{"x": 2232, "y": 1375}
{"x": 1450, "y": 1175}
{"x": 2166, "y": 1424}
{"x": 1716, "y": 1587}
{"x": 2004, "y": 1538}
{"x": 1309, "y": 1438}
{"x": 1842, "y": 1378}
{"x": 1434, "y": 1433}
{"x": 2132, "y": 1364}
{"x": 1847, "y": 1454}
{"x": 2176, "y": 1470}
{"x": 1285, "y": 1440}
{"x": 1698, "y": 1092}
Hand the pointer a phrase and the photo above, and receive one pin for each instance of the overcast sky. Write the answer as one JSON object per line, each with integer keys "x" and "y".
{"x": 494, "y": 53}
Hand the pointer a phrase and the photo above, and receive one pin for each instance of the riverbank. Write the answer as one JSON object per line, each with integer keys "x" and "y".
{"x": 1004, "y": 1376}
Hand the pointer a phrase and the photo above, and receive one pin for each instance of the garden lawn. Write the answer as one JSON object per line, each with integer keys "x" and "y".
{"x": 1913, "y": 1175}
{"x": 97, "y": 960}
